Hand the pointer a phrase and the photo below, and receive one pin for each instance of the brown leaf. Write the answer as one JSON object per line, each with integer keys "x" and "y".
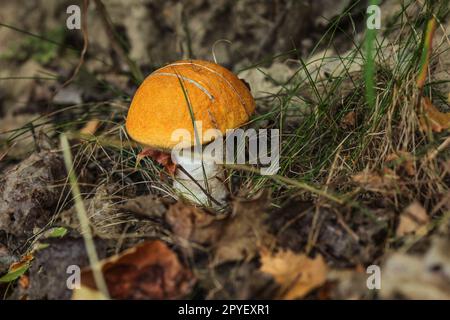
{"x": 418, "y": 277}
{"x": 244, "y": 232}
{"x": 24, "y": 281}
{"x": 151, "y": 270}
{"x": 90, "y": 127}
{"x": 163, "y": 158}
{"x": 432, "y": 118}
{"x": 412, "y": 220}
{"x": 26, "y": 259}
{"x": 193, "y": 224}
{"x": 404, "y": 160}
{"x": 296, "y": 274}
{"x": 375, "y": 181}
{"x": 349, "y": 284}
{"x": 147, "y": 206}
{"x": 349, "y": 120}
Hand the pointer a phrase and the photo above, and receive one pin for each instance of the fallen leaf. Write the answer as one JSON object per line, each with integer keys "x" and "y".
{"x": 412, "y": 220}
{"x": 437, "y": 259}
{"x": 432, "y": 118}
{"x": 244, "y": 232}
{"x": 348, "y": 284}
{"x": 297, "y": 274}
{"x": 26, "y": 259}
{"x": 194, "y": 224}
{"x": 424, "y": 277}
{"x": 90, "y": 127}
{"x": 148, "y": 206}
{"x": 349, "y": 120}
{"x": 150, "y": 270}
{"x": 24, "y": 281}
{"x": 163, "y": 158}
{"x": 385, "y": 181}
{"x": 404, "y": 160}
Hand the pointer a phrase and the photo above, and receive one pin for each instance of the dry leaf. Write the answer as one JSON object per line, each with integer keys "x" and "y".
{"x": 404, "y": 160}
{"x": 296, "y": 274}
{"x": 374, "y": 181}
{"x": 163, "y": 158}
{"x": 193, "y": 224}
{"x": 432, "y": 118}
{"x": 151, "y": 270}
{"x": 349, "y": 120}
{"x": 418, "y": 277}
{"x": 147, "y": 206}
{"x": 348, "y": 284}
{"x": 25, "y": 260}
{"x": 24, "y": 281}
{"x": 244, "y": 232}
{"x": 90, "y": 127}
{"x": 412, "y": 220}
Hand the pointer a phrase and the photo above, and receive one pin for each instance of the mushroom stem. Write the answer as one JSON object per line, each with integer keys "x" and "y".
{"x": 200, "y": 180}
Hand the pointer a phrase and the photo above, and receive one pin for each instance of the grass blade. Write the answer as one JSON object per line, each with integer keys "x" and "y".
{"x": 83, "y": 218}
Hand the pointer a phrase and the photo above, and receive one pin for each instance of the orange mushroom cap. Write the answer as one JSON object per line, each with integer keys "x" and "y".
{"x": 176, "y": 95}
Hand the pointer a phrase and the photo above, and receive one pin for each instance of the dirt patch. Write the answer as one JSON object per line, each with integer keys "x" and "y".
{"x": 49, "y": 272}
{"x": 346, "y": 238}
{"x": 29, "y": 193}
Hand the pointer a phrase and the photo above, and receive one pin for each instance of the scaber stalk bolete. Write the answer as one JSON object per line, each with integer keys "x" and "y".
{"x": 194, "y": 96}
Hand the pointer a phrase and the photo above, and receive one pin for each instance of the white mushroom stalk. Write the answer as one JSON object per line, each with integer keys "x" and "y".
{"x": 199, "y": 178}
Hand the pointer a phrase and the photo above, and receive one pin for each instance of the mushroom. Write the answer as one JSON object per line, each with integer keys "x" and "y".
{"x": 193, "y": 96}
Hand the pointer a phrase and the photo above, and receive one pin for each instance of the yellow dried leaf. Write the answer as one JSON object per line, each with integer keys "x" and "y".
{"x": 296, "y": 274}
{"x": 432, "y": 118}
{"x": 349, "y": 120}
{"x": 90, "y": 127}
{"x": 413, "y": 220}
{"x": 403, "y": 159}
{"x": 378, "y": 182}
